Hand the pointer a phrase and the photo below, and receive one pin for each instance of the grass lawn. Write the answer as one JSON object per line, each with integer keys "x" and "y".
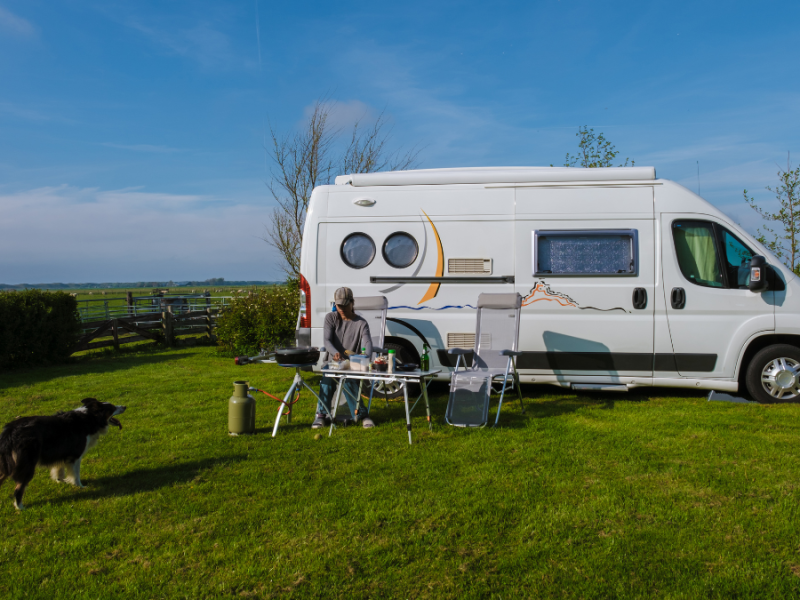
{"x": 647, "y": 494}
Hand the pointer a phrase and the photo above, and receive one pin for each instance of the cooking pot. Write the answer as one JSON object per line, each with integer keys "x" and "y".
{"x": 297, "y": 356}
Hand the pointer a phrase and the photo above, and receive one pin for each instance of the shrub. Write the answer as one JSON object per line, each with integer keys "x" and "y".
{"x": 264, "y": 318}
{"x": 37, "y": 326}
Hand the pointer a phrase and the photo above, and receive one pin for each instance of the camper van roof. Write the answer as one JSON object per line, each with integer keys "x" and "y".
{"x": 496, "y": 175}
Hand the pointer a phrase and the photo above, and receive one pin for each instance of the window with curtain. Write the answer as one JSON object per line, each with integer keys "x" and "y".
{"x": 696, "y": 248}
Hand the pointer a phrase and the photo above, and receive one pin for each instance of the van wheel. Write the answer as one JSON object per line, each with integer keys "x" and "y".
{"x": 404, "y": 353}
{"x": 774, "y": 374}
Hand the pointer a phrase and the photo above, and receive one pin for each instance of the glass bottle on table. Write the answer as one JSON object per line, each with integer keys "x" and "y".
{"x": 425, "y": 359}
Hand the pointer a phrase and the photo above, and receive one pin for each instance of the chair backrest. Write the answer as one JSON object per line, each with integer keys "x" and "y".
{"x": 373, "y": 310}
{"x": 497, "y": 329}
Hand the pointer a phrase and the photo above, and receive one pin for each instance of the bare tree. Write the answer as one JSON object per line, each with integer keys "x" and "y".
{"x": 784, "y": 244}
{"x": 367, "y": 152}
{"x": 593, "y": 151}
{"x": 312, "y": 157}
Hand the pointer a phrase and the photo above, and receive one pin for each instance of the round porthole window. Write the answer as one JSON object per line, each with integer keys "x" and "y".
{"x": 358, "y": 250}
{"x": 400, "y": 250}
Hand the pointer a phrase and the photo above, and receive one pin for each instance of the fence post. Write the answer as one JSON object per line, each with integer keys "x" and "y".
{"x": 167, "y": 326}
{"x": 115, "y": 333}
{"x": 129, "y": 302}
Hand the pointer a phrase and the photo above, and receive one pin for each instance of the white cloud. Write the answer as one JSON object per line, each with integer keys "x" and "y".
{"x": 343, "y": 115}
{"x": 202, "y": 43}
{"x": 452, "y": 131}
{"x": 66, "y": 233}
{"x": 16, "y": 25}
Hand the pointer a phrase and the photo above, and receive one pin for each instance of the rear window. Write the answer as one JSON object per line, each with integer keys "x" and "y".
{"x": 357, "y": 250}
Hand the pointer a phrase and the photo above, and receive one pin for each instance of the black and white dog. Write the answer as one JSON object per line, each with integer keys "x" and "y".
{"x": 59, "y": 441}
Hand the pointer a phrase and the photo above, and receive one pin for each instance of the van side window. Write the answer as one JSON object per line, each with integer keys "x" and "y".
{"x": 358, "y": 250}
{"x": 736, "y": 259}
{"x": 592, "y": 252}
{"x": 710, "y": 255}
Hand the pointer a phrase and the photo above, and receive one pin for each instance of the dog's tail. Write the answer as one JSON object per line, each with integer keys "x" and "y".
{"x": 7, "y": 462}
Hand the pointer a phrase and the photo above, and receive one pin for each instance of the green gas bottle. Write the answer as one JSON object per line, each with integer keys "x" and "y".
{"x": 241, "y": 410}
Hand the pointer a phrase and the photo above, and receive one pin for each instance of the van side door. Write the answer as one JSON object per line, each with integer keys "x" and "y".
{"x": 711, "y": 312}
{"x": 586, "y": 271}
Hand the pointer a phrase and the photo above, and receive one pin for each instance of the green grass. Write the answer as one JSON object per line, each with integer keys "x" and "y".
{"x": 585, "y": 496}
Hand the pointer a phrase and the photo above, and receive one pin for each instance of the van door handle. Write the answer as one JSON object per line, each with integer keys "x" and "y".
{"x": 639, "y": 298}
{"x": 678, "y": 298}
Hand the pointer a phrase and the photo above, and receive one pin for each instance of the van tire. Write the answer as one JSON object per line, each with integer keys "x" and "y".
{"x": 773, "y": 375}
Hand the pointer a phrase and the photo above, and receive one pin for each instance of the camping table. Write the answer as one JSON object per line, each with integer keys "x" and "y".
{"x": 297, "y": 383}
{"x": 402, "y": 376}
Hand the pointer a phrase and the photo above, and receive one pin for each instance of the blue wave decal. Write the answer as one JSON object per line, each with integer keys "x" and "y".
{"x": 431, "y": 307}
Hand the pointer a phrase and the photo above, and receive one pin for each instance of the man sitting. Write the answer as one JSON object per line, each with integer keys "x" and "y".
{"x": 344, "y": 333}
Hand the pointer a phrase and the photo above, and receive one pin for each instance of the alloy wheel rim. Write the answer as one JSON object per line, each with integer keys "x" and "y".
{"x": 388, "y": 388}
{"x": 780, "y": 378}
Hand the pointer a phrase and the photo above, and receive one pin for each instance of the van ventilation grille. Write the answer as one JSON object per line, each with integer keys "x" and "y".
{"x": 469, "y": 266}
{"x": 467, "y": 340}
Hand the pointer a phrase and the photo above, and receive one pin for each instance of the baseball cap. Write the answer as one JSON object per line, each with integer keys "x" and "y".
{"x": 343, "y": 296}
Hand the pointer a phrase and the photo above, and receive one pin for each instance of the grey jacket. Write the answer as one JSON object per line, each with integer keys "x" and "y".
{"x": 340, "y": 335}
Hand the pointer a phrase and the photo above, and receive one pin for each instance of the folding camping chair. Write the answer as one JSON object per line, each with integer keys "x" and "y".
{"x": 493, "y": 358}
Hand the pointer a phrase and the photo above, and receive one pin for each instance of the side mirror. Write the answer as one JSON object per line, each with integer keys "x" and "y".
{"x": 758, "y": 274}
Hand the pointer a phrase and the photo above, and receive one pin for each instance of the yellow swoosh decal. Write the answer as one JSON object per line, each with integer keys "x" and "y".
{"x": 434, "y": 287}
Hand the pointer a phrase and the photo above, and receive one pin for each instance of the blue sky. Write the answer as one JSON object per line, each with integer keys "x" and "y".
{"x": 132, "y": 133}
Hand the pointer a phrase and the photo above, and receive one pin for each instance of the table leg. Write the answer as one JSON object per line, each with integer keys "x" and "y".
{"x": 420, "y": 396}
{"x": 283, "y": 405}
{"x": 427, "y": 404}
{"x": 408, "y": 414}
{"x": 336, "y": 404}
{"x": 371, "y": 391}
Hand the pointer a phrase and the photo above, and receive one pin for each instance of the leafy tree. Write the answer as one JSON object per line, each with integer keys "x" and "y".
{"x": 594, "y": 151}
{"x": 785, "y": 242}
{"x": 312, "y": 157}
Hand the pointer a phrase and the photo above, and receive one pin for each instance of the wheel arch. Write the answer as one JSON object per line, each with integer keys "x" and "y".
{"x": 757, "y": 344}
{"x": 406, "y": 344}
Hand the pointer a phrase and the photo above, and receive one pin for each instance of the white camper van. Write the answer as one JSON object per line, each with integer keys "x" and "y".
{"x": 627, "y": 280}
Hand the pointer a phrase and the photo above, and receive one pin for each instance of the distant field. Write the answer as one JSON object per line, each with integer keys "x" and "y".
{"x": 107, "y": 294}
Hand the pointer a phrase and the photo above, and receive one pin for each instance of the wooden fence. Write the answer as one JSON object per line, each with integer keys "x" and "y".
{"x": 166, "y": 326}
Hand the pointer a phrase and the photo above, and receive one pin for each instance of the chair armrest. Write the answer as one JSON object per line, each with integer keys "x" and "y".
{"x": 461, "y": 351}
{"x": 511, "y": 353}
{"x": 377, "y": 350}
